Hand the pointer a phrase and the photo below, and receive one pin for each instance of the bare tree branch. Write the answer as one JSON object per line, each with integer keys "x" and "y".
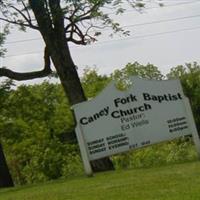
{"x": 29, "y": 75}
{"x": 79, "y": 42}
{"x": 75, "y": 30}
{"x": 19, "y": 23}
{"x": 21, "y": 13}
{"x": 26, "y": 9}
{"x": 87, "y": 14}
{"x": 72, "y": 29}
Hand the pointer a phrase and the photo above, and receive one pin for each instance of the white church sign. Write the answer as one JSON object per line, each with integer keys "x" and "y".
{"x": 116, "y": 121}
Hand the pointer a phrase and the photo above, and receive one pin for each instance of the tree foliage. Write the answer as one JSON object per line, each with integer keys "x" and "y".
{"x": 36, "y": 125}
{"x": 36, "y": 119}
{"x": 148, "y": 71}
{"x": 93, "y": 83}
{"x": 189, "y": 74}
{"x": 5, "y": 177}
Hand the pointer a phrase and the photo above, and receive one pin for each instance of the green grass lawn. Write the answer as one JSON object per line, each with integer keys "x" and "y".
{"x": 181, "y": 181}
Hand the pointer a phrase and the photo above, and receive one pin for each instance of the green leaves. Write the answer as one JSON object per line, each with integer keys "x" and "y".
{"x": 189, "y": 76}
{"x": 93, "y": 83}
{"x": 36, "y": 122}
{"x": 148, "y": 71}
{"x": 32, "y": 121}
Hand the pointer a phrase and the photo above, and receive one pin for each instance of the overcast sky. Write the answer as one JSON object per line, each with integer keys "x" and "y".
{"x": 164, "y": 36}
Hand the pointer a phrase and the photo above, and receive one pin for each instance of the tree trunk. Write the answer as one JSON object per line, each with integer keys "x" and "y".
{"x": 53, "y": 32}
{"x": 5, "y": 177}
{"x": 73, "y": 89}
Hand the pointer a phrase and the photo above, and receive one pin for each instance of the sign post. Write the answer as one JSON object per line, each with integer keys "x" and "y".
{"x": 83, "y": 150}
{"x": 149, "y": 112}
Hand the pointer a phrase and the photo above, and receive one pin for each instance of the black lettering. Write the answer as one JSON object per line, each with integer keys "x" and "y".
{"x": 133, "y": 98}
{"x": 141, "y": 108}
{"x": 96, "y": 116}
{"x": 95, "y": 141}
{"x": 90, "y": 119}
{"x": 160, "y": 98}
{"x": 116, "y": 101}
{"x": 146, "y": 96}
{"x": 84, "y": 121}
{"x": 115, "y": 136}
{"x": 179, "y": 96}
{"x": 101, "y": 113}
{"x": 115, "y": 114}
{"x": 147, "y": 106}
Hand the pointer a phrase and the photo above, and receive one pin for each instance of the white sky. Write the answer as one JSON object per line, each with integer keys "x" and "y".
{"x": 164, "y": 44}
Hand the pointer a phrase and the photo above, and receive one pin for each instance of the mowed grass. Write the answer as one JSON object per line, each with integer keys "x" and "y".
{"x": 175, "y": 182}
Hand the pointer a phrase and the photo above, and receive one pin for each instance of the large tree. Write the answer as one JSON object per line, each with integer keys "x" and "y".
{"x": 60, "y": 22}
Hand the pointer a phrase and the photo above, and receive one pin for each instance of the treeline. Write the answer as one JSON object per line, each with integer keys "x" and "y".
{"x": 37, "y": 125}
